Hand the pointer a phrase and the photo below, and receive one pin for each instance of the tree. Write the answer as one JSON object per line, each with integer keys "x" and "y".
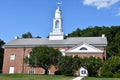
{"x": 112, "y": 65}
{"x": 76, "y": 33}
{"x": 92, "y": 64}
{"x": 68, "y": 65}
{"x": 27, "y": 35}
{"x": 38, "y": 37}
{"x": 44, "y": 57}
{"x": 1, "y": 54}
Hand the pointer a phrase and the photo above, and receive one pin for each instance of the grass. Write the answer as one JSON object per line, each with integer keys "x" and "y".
{"x": 99, "y": 78}
{"x": 33, "y": 77}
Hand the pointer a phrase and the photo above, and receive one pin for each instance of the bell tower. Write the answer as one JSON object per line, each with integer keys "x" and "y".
{"x": 57, "y": 33}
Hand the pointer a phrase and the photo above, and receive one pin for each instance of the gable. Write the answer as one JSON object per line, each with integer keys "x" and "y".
{"x": 84, "y": 48}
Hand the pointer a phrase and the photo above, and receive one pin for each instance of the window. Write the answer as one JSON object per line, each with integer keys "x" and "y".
{"x": 12, "y": 57}
{"x": 11, "y": 70}
{"x": 83, "y": 48}
{"x": 63, "y": 52}
{"x": 31, "y": 71}
{"x": 83, "y": 72}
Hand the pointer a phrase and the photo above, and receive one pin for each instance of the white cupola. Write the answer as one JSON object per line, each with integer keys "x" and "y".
{"x": 58, "y": 13}
{"x": 57, "y": 33}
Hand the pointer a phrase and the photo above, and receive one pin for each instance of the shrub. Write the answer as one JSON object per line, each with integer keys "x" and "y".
{"x": 117, "y": 75}
{"x": 68, "y": 65}
{"x": 58, "y": 72}
{"x": 107, "y": 74}
{"x": 111, "y": 65}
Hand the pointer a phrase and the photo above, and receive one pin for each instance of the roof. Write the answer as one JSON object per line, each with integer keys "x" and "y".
{"x": 69, "y": 42}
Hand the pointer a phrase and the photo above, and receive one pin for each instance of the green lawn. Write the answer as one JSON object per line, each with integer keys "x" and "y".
{"x": 33, "y": 77}
{"x": 98, "y": 78}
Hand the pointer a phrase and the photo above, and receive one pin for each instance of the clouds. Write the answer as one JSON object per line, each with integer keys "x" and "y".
{"x": 99, "y": 4}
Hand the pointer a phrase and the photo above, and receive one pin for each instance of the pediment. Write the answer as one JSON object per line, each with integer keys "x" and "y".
{"x": 84, "y": 48}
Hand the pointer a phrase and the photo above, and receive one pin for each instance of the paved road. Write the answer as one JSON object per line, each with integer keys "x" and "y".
{"x": 78, "y": 78}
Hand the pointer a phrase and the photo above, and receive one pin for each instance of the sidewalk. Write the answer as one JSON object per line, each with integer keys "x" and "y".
{"x": 78, "y": 78}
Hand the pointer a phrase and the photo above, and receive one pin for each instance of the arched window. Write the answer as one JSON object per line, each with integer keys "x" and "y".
{"x": 57, "y": 24}
{"x": 83, "y": 48}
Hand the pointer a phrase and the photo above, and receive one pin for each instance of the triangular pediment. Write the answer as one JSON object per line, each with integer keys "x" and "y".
{"x": 84, "y": 48}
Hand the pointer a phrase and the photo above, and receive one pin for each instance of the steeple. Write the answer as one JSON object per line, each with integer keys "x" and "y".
{"x": 57, "y": 33}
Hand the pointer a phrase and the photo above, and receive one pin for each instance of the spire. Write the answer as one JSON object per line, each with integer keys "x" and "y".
{"x": 58, "y": 11}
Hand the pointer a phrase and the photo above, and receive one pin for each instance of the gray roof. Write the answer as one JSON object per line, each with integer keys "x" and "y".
{"x": 69, "y": 42}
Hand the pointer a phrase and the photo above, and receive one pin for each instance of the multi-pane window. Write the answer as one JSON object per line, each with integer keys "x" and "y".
{"x": 83, "y": 72}
{"x": 31, "y": 71}
{"x": 12, "y": 57}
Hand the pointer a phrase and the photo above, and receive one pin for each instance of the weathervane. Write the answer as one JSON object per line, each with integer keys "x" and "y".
{"x": 59, "y": 3}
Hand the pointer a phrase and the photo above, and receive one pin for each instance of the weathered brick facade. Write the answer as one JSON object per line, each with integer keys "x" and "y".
{"x": 21, "y": 53}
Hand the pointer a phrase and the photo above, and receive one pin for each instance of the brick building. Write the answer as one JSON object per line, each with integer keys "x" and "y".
{"x": 17, "y": 49}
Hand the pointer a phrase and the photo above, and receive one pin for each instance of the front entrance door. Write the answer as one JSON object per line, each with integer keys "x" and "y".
{"x": 11, "y": 70}
{"x": 83, "y": 72}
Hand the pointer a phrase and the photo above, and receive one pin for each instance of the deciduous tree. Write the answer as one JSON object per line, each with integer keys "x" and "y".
{"x": 111, "y": 65}
{"x": 44, "y": 57}
{"x": 68, "y": 64}
{"x": 27, "y": 35}
{"x": 92, "y": 64}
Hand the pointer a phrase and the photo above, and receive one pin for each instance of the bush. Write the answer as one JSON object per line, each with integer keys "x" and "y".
{"x": 68, "y": 65}
{"x": 68, "y": 72}
{"x": 117, "y": 75}
{"x": 107, "y": 74}
{"x": 58, "y": 72}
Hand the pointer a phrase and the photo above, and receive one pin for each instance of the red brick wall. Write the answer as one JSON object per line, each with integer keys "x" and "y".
{"x": 39, "y": 70}
{"x": 17, "y": 63}
{"x": 86, "y": 55}
{"x": 21, "y": 53}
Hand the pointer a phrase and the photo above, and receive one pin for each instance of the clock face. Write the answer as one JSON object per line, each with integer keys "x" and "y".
{"x": 57, "y": 24}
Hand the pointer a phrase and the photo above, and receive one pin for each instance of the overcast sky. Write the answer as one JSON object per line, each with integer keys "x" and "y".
{"x": 36, "y": 16}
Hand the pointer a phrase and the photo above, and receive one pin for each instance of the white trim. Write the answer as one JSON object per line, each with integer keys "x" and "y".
{"x": 90, "y": 49}
{"x": 63, "y": 52}
{"x": 83, "y": 71}
{"x": 12, "y": 56}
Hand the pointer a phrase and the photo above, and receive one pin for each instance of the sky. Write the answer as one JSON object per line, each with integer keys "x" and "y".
{"x": 36, "y": 16}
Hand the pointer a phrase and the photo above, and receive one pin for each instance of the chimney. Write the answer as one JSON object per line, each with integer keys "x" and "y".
{"x": 103, "y": 35}
{"x": 16, "y": 37}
